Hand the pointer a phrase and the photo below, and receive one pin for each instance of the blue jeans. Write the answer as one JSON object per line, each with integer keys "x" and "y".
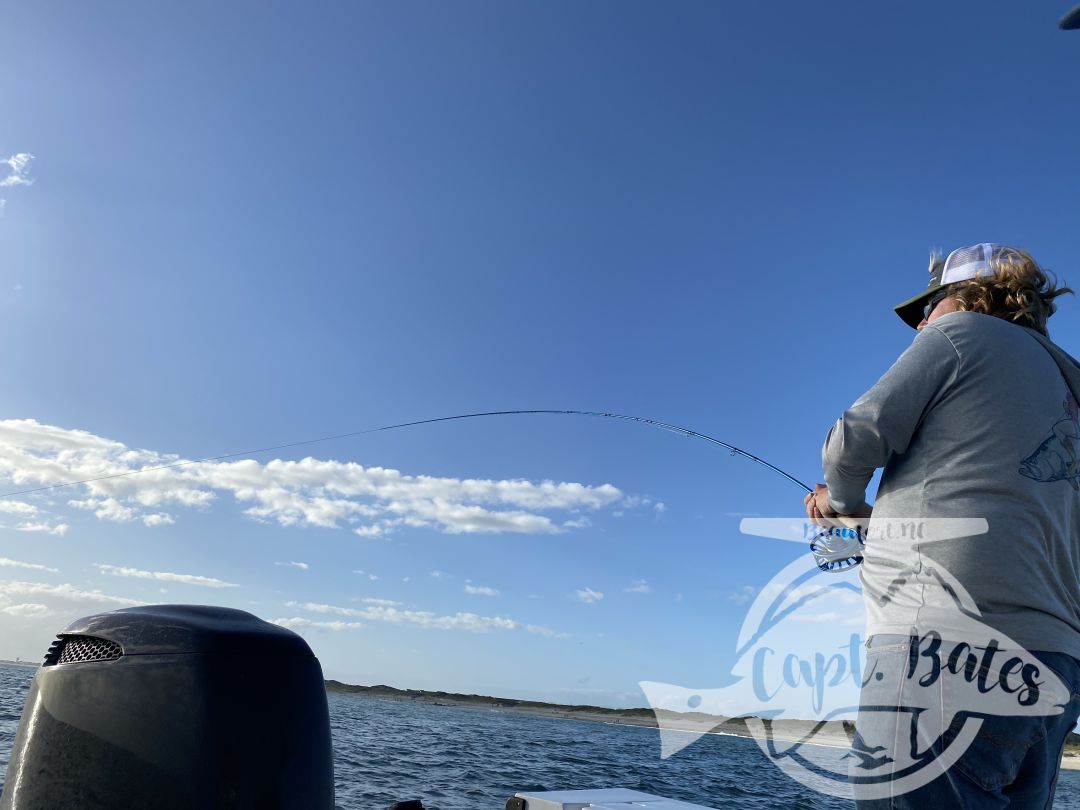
{"x": 1011, "y": 761}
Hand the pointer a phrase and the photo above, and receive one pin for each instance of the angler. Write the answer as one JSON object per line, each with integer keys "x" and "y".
{"x": 968, "y": 423}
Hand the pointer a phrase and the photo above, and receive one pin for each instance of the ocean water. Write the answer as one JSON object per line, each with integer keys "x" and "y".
{"x": 474, "y": 759}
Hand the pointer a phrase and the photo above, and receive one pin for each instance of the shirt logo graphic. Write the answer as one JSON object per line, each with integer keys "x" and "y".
{"x": 1056, "y": 458}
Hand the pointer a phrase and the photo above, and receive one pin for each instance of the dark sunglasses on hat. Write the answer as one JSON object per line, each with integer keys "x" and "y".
{"x": 931, "y": 305}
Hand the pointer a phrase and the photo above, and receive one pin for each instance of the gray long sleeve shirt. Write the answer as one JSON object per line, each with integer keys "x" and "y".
{"x": 977, "y": 419}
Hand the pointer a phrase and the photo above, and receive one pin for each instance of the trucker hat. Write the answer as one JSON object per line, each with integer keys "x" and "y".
{"x": 960, "y": 265}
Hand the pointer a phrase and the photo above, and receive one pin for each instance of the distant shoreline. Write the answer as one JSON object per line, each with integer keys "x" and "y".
{"x": 28, "y": 664}
{"x": 830, "y": 733}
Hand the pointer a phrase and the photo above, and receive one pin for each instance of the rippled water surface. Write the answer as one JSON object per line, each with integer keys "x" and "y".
{"x": 472, "y": 759}
{"x": 14, "y": 681}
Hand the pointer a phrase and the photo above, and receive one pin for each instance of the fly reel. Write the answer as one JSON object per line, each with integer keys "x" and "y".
{"x": 838, "y": 548}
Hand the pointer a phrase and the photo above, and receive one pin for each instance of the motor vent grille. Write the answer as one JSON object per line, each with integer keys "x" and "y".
{"x": 80, "y": 649}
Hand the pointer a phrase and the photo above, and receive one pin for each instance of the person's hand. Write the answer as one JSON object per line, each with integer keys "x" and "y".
{"x": 821, "y": 514}
{"x": 817, "y": 507}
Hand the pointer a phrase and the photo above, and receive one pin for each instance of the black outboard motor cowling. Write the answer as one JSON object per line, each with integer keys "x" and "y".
{"x": 174, "y": 707}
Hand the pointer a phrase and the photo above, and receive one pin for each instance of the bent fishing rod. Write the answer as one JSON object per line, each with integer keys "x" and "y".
{"x": 693, "y": 434}
{"x": 831, "y": 550}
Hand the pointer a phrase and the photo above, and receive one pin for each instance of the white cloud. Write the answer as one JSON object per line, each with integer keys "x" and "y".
{"x": 371, "y": 501}
{"x": 745, "y": 594}
{"x": 371, "y": 600}
{"x": 372, "y": 577}
{"x": 25, "y": 610}
{"x": 303, "y": 566}
{"x": 164, "y": 576}
{"x": 17, "y": 507}
{"x": 297, "y": 623}
{"x": 18, "y": 170}
{"x": 59, "y": 529}
{"x": 107, "y": 509}
{"x": 67, "y": 593}
{"x": 589, "y": 596}
{"x": 117, "y": 512}
{"x": 470, "y": 622}
{"x": 437, "y": 575}
{"x": 480, "y": 590}
{"x": 638, "y": 586}
{"x": 545, "y": 631}
{"x": 7, "y": 563}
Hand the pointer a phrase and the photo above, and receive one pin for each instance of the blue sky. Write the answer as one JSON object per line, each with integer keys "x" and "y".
{"x": 256, "y": 224}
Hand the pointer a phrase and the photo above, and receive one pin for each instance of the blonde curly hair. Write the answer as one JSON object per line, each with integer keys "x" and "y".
{"x": 1019, "y": 291}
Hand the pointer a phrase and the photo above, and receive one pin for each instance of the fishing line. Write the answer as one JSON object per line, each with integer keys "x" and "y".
{"x": 824, "y": 547}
